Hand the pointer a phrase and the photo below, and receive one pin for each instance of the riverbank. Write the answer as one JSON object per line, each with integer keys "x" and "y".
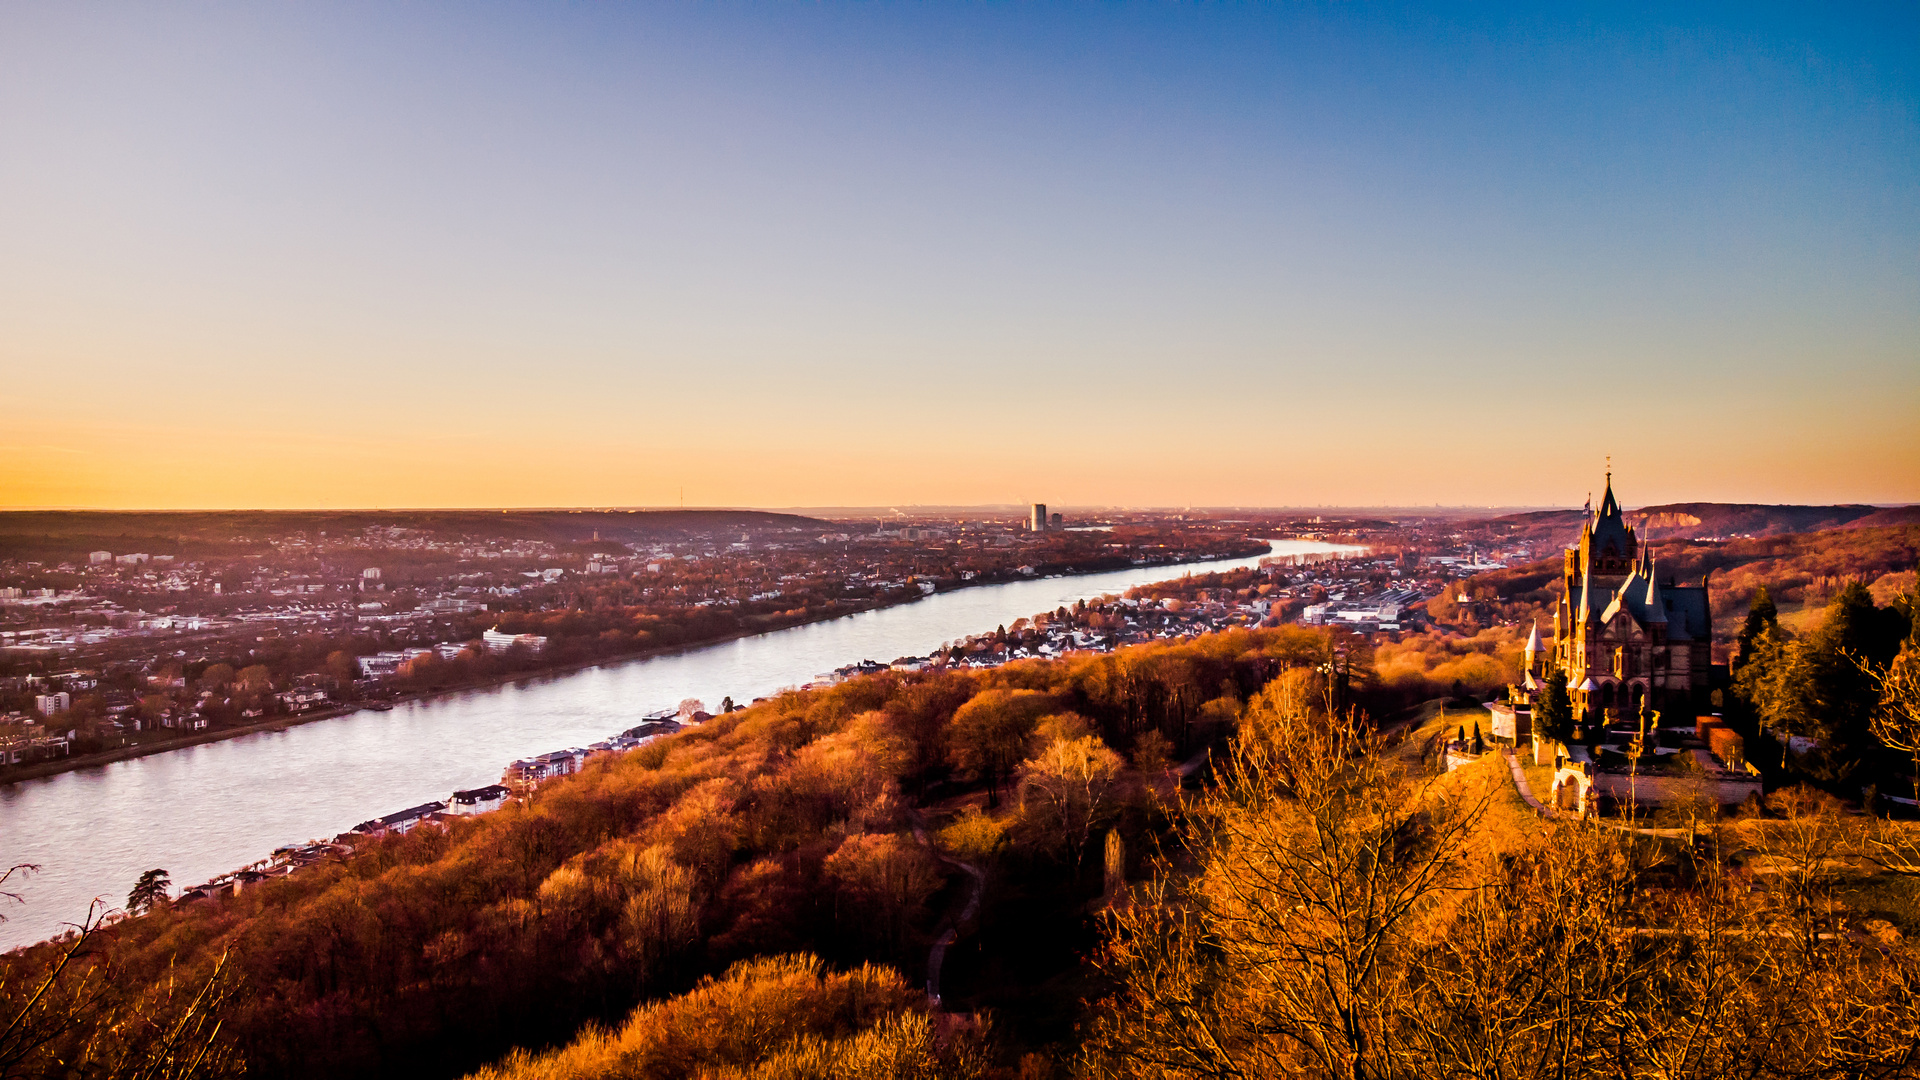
{"x": 40, "y": 770}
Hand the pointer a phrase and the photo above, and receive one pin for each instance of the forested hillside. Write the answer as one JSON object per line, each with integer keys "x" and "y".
{"x": 1709, "y": 521}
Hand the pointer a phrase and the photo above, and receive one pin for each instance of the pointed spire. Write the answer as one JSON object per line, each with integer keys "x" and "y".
{"x": 1609, "y": 506}
{"x": 1656, "y": 610}
{"x": 1533, "y": 644}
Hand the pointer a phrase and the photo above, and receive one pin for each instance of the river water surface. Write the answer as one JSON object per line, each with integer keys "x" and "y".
{"x": 208, "y": 809}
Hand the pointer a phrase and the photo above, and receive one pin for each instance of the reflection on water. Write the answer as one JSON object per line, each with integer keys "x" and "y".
{"x": 207, "y": 809}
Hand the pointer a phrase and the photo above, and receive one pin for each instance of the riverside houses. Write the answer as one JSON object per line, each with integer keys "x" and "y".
{"x": 478, "y": 800}
{"x": 402, "y": 822}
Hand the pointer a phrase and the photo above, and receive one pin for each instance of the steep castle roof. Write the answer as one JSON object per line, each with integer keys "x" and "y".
{"x": 1609, "y": 533}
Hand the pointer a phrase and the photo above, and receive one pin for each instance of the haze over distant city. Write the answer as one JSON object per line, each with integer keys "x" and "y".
{"x": 349, "y": 256}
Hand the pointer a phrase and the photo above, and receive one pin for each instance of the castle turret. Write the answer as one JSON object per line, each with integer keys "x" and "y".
{"x": 1656, "y": 611}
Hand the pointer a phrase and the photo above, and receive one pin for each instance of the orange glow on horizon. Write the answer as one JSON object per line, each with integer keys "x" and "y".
{"x": 155, "y": 468}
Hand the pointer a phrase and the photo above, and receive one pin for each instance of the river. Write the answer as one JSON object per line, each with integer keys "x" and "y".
{"x": 204, "y": 810}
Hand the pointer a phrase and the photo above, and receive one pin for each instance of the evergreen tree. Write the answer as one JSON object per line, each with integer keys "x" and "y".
{"x": 1762, "y": 617}
{"x": 1760, "y": 667}
{"x": 1823, "y": 690}
{"x": 151, "y": 889}
{"x": 1555, "y": 716}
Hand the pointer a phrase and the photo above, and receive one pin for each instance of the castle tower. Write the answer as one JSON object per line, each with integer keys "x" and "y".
{"x": 1626, "y": 643}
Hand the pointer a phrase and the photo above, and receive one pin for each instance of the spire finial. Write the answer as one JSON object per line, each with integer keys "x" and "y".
{"x": 1609, "y": 470}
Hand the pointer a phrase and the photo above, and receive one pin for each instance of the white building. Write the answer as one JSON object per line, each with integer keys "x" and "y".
{"x": 383, "y": 664}
{"x": 528, "y": 772}
{"x": 402, "y": 822}
{"x": 498, "y": 641}
{"x": 478, "y": 800}
{"x": 97, "y": 557}
{"x": 56, "y": 702}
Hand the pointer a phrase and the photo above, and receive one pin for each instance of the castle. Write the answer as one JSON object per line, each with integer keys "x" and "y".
{"x": 1628, "y": 643}
{"x": 1637, "y": 654}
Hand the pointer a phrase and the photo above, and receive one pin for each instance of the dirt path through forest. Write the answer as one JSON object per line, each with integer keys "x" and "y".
{"x": 950, "y": 926}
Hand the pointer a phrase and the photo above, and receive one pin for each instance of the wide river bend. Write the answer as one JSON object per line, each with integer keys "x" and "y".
{"x": 204, "y": 810}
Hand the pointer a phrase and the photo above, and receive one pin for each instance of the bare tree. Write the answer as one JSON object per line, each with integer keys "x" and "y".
{"x": 1285, "y": 954}
{"x": 1896, "y": 722}
{"x": 63, "y": 1013}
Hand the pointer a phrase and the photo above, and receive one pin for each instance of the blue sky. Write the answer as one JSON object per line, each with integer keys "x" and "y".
{"x": 844, "y": 254}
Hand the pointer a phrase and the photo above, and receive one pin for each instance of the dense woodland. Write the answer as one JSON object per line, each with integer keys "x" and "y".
{"x": 785, "y": 827}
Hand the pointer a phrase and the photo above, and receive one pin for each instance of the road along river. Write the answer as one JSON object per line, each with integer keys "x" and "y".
{"x": 205, "y": 810}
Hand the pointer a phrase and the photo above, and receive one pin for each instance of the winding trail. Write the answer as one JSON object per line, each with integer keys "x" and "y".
{"x": 1525, "y": 789}
{"x": 951, "y": 925}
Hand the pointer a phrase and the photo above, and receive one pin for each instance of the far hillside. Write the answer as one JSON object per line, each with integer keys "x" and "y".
{"x": 1710, "y": 521}
{"x": 65, "y": 534}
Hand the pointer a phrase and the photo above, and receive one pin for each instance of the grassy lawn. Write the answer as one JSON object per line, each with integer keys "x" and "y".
{"x": 1509, "y": 824}
{"x": 1539, "y": 777}
{"x": 1426, "y": 720}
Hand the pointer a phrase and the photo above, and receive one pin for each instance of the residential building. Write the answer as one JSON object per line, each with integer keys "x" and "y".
{"x": 401, "y": 823}
{"x": 528, "y": 772}
{"x": 478, "y": 800}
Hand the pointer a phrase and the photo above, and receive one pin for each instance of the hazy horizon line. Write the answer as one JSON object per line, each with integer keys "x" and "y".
{"x": 905, "y": 509}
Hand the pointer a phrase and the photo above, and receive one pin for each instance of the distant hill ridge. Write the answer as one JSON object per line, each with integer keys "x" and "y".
{"x": 1713, "y": 521}
{"x": 51, "y": 533}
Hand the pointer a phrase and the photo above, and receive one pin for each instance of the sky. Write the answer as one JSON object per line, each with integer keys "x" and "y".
{"x": 732, "y": 254}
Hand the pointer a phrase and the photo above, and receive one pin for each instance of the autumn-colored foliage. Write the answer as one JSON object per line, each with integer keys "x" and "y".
{"x": 783, "y": 827}
{"x": 1441, "y": 664}
{"x": 783, "y": 1016}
